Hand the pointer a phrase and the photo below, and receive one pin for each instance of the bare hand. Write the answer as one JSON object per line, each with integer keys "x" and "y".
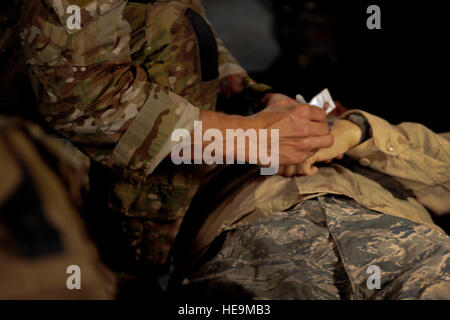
{"x": 303, "y": 129}
{"x": 346, "y": 135}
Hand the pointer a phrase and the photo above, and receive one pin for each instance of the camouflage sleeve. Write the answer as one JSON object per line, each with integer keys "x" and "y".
{"x": 233, "y": 77}
{"x": 411, "y": 153}
{"x": 228, "y": 65}
{"x": 91, "y": 91}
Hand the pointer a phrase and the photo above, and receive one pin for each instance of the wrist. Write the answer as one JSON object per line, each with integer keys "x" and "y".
{"x": 362, "y": 123}
{"x": 354, "y": 133}
{"x": 347, "y": 131}
{"x": 222, "y": 122}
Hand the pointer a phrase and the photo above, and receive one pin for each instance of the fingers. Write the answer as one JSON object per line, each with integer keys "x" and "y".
{"x": 325, "y": 141}
{"x": 301, "y": 167}
{"x": 281, "y": 171}
{"x": 288, "y": 171}
{"x": 291, "y": 171}
{"x": 307, "y": 168}
{"x": 318, "y": 114}
{"x": 310, "y": 170}
{"x": 319, "y": 128}
{"x": 303, "y": 130}
{"x": 306, "y": 111}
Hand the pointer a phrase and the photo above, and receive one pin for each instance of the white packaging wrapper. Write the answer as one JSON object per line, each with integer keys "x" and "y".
{"x": 322, "y": 100}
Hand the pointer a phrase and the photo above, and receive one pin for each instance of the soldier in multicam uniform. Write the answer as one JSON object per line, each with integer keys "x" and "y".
{"x": 134, "y": 72}
{"x": 121, "y": 84}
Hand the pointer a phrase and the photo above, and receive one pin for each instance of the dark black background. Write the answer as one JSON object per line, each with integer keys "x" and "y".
{"x": 399, "y": 72}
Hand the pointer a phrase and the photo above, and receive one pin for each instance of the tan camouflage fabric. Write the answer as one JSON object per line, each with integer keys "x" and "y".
{"x": 93, "y": 84}
{"x": 117, "y": 88}
{"x": 325, "y": 248}
{"x": 410, "y": 153}
{"x": 41, "y": 232}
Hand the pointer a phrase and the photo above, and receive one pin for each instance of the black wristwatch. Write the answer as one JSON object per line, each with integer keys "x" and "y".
{"x": 362, "y": 123}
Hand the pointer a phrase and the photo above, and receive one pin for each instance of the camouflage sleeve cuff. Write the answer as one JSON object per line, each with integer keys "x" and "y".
{"x": 147, "y": 141}
{"x": 384, "y": 136}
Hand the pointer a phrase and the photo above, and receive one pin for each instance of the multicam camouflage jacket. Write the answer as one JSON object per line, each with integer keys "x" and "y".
{"x": 118, "y": 86}
{"x": 159, "y": 61}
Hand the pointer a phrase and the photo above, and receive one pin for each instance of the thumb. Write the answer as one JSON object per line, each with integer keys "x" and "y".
{"x": 307, "y": 167}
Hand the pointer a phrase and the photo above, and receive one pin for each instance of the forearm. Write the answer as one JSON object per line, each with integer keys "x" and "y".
{"x": 291, "y": 134}
{"x": 221, "y": 126}
{"x": 220, "y": 138}
{"x": 222, "y": 121}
